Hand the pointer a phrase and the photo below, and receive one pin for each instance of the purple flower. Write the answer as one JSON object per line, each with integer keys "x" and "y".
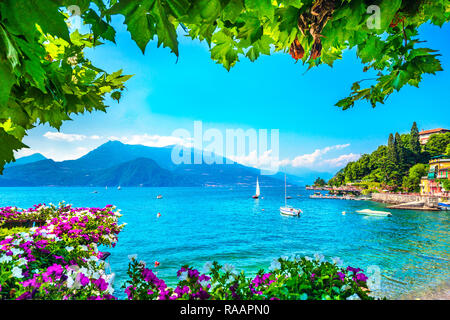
{"x": 101, "y": 284}
{"x": 361, "y": 277}
{"x": 84, "y": 281}
{"x": 129, "y": 292}
{"x": 25, "y": 296}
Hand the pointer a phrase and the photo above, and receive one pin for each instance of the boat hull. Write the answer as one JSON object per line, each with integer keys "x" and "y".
{"x": 374, "y": 213}
{"x": 290, "y": 212}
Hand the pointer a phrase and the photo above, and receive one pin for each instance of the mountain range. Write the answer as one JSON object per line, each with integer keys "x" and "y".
{"x": 118, "y": 164}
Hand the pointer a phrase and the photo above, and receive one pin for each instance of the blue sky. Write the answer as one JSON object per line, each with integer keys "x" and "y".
{"x": 271, "y": 93}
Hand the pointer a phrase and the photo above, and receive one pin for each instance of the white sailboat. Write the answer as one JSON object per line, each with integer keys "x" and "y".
{"x": 288, "y": 210}
{"x": 258, "y": 192}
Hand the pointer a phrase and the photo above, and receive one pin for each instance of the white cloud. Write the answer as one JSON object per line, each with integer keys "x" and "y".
{"x": 59, "y": 136}
{"x": 154, "y": 140}
{"x": 342, "y": 160}
{"x": 314, "y": 160}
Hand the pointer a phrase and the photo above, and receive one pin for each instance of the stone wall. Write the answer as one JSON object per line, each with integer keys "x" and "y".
{"x": 404, "y": 198}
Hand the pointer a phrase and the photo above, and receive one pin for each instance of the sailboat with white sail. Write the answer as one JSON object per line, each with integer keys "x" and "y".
{"x": 288, "y": 210}
{"x": 258, "y": 192}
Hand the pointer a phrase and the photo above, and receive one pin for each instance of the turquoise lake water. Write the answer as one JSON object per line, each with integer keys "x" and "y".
{"x": 411, "y": 248}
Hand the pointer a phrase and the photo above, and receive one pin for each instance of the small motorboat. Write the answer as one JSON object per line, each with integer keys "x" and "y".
{"x": 159, "y": 196}
{"x": 369, "y": 212}
{"x": 444, "y": 205}
{"x": 118, "y": 188}
{"x": 292, "y": 212}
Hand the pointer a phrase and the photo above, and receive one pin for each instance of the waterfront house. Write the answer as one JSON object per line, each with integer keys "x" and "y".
{"x": 424, "y": 136}
{"x": 439, "y": 169}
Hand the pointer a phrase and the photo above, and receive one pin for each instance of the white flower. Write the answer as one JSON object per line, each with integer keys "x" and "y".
{"x": 207, "y": 267}
{"x": 16, "y": 251}
{"x": 229, "y": 268}
{"x": 183, "y": 276}
{"x": 354, "y": 297}
{"x": 21, "y": 261}
{"x": 338, "y": 261}
{"x": 70, "y": 282}
{"x": 83, "y": 248}
{"x": 204, "y": 283}
{"x": 319, "y": 257}
{"x": 68, "y": 249}
{"x": 275, "y": 265}
{"x": 17, "y": 272}
{"x": 5, "y": 259}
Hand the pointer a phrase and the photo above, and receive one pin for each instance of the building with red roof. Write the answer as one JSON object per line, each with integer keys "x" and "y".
{"x": 424, "y": 136}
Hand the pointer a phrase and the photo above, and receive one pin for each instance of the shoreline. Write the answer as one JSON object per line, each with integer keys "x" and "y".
{"x": 434, "y": 291}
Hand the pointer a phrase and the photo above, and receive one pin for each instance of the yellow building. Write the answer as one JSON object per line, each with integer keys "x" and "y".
{"x": 439, "y": 169}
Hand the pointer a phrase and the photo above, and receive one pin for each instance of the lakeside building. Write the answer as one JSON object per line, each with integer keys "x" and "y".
{"x": 424, "y": 136}
{"x": 439, "y": 169}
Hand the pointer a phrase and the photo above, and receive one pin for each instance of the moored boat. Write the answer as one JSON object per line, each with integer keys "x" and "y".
{"x": 287, "y": 210}
{"x": 369, "y": 212}
{"x": 444, "y": 205}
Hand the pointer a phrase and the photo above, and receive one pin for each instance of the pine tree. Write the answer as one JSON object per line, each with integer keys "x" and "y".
{"x": 391, "y": 170}
{"x": 392, "y": 149}
{"x": 401, "y": 158}
{"x": 414, "y": 143}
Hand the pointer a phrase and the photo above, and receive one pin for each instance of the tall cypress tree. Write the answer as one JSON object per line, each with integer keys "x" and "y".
{"x": 400, "y": 152}
{"x": 414, "y": 143}
{"x": 392, "y": 152}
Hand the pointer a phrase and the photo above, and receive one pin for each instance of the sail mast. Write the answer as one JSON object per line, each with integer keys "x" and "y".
{"x": 285, "y": 202}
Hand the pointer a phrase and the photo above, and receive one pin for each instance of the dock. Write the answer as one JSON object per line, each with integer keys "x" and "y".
{"x": 415, "y": 205}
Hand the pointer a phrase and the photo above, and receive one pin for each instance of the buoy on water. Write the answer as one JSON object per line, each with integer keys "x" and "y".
{"x": 343, "y": 213}
{"x": 156, "y": 264}
{"x": 158, "y": 215}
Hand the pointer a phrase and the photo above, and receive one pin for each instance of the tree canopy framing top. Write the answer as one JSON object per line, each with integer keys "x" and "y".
{"x": 44, "y": 76}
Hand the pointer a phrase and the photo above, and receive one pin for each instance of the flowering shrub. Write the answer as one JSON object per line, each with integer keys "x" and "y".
{"x": 288, "y": 279}
{"x": 59, "y": 260}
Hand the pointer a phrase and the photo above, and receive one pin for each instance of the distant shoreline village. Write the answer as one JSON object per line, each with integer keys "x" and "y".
{"x": 425, "y": 184}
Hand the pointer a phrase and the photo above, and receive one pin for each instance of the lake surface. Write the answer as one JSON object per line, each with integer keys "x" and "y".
{"x": 197, "y": 225}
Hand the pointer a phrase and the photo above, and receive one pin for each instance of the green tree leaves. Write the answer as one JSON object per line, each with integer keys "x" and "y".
{"x": 23, "y": 15}
{"x": 44, "y": 76}
{"x": 7, "y": 146}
